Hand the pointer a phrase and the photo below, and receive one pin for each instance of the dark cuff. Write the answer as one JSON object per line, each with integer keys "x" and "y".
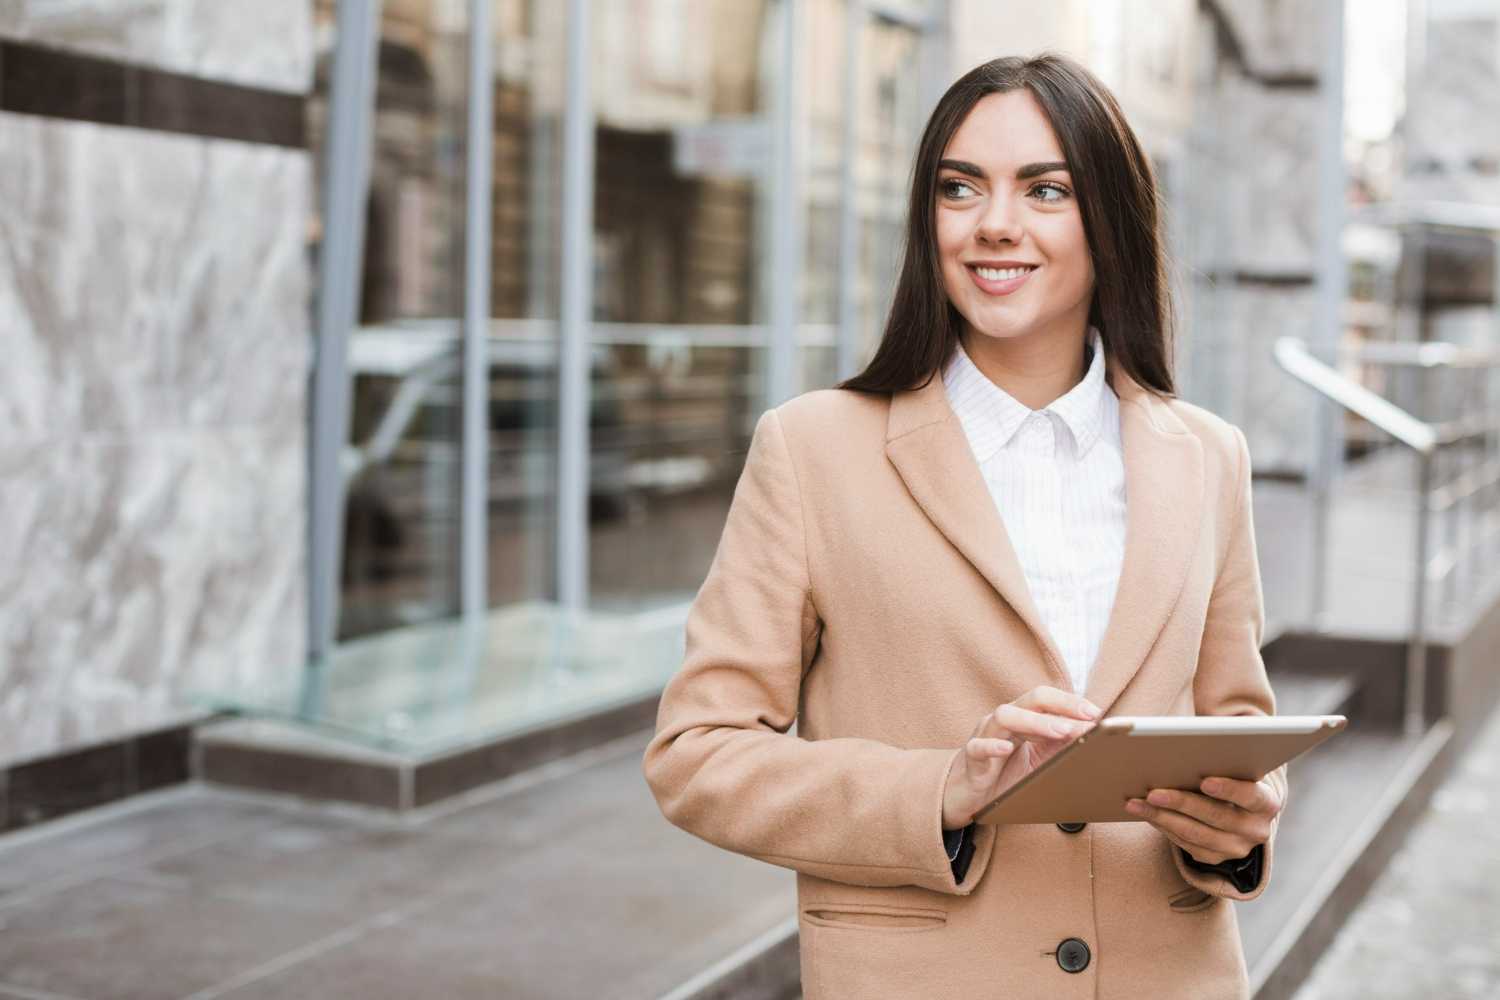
{"x": 960, "y": 847}
{"x": 1242, "y": 873}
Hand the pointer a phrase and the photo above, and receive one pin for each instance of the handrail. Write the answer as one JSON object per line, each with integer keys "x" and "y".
{"x": 1292, "y": 355}
{"x": 1421, "y": 437}
{"x": 1424, "y": 354}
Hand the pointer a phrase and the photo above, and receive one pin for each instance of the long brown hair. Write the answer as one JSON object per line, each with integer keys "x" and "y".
{"x": 1116, "y": 192}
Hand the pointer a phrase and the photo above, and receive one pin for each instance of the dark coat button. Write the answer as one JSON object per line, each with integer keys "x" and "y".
{"x": 1071, "y": 827}
{"x": 1073, "y": 955}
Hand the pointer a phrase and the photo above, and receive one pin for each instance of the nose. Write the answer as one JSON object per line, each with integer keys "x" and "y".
{"x": 1000, "y": 224}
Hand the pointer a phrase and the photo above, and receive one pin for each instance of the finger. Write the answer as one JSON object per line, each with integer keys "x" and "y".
{"x": 1029, "y": 725}
{"x": 1248, "y": 795}
{"x": 982, "y": 750}
{"x": 1051, "y": 701}
{"x": 1190, "y": 834}
{"x": 1203, "y": 808}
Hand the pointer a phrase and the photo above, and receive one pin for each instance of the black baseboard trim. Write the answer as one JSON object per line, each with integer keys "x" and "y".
{"x": 43, "y": 788}
{"x": 52, "y": 83}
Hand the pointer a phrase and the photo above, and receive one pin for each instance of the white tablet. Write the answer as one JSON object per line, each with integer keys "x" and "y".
{"x": 1123, "y": 758}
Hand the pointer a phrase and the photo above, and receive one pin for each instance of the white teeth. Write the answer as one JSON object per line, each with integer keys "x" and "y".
{"x": 1001, "y": 274}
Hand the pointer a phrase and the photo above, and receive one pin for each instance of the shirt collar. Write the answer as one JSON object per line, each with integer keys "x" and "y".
{"x": 990, "y": 416}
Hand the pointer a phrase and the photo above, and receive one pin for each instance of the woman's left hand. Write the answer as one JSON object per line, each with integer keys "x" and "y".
{"x": 1225, "y": 823}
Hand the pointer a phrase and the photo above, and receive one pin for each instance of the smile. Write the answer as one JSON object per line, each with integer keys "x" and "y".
{"x": 1001, "y": 274}
{"x": 1001, "y": 277}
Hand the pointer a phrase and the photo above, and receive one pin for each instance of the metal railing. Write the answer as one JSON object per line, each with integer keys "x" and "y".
{"x": 1458, "y": 474}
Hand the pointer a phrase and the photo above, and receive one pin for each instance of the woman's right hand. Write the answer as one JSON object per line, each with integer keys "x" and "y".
{"x": 1010, "y": 743}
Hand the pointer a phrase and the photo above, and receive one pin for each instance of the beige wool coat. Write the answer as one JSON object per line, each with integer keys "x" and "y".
{"x": 865, "y": 592}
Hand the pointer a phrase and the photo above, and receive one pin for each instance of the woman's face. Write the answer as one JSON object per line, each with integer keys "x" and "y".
{"x": 1015, "y": 260}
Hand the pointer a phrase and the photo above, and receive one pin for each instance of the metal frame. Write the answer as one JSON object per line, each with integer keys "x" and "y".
{"x": 1423, "y": 439}
{"x": 351, "y": 109}
{"x": 576, "y": 311}
{"x": 479, "y": 145}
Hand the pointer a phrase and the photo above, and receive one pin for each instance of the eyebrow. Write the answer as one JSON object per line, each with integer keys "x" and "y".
{"x": 1037, "y": 169}
{"x": 1025, "y": 173}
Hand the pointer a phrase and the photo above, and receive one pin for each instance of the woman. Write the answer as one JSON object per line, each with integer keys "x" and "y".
{"x": 1006, "y": 508}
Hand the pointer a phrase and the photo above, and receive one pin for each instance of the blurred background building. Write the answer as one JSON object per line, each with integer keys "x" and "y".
{"x": 380, "y": 372}
{"x": 743, "y": 179}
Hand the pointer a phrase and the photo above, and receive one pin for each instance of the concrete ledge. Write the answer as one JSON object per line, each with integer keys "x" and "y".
{"x": 768, "y": 968}
{"x": 1344, "y": 883}
{"x": 279, "y": 757}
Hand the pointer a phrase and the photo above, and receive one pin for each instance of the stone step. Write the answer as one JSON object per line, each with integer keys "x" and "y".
{"x": 1352, "y": 801}
{"x": 277, "y": 756}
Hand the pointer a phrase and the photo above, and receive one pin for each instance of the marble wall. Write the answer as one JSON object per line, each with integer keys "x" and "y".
{"x": 259, "y": 43}
{"x": 1251, "y": 251}
{"x": 1452, "y": 125}
{"x": 154, "y": 324}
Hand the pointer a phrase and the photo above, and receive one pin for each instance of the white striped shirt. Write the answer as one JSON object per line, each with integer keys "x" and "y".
{"x": 1058, "y": 478}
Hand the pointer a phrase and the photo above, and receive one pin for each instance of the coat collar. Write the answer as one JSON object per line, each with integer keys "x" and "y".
{"x": 1164, "y": 500}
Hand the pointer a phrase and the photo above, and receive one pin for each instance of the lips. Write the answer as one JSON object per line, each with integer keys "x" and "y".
{"x": 1000, "y": 277}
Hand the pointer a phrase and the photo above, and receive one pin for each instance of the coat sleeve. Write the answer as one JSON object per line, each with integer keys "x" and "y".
{"x": 724, "y": 764}
{"x": 1231, "y": 677}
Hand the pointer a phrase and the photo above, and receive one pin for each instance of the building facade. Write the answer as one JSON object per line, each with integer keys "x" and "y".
{"x": 557, "y": 473}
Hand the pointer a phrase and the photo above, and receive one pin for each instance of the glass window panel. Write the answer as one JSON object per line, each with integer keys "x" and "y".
{"x": 529, "y": 53}
{"x": 400, "y": 563}
{"x": 823, "y": 192}
{"x": 891, "y": 117}
{"x": 683, "y": 90}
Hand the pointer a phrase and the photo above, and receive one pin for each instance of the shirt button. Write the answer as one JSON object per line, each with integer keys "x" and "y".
{"x": 1065, "y": 595}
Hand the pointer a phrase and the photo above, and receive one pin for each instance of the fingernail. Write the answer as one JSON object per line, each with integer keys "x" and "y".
{"x": 1003, "y": 747}
{"x": 1158, "y": 798}
{"x": 1061, "y": 728}
{"x": 1211, "y": 786}
{"x": 1136, "y": 807}
{"x": 1091, "y": 710}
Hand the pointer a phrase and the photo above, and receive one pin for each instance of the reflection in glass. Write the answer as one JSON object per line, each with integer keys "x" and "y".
{"x": 401, "y": 540}
{"x": 683, "y": 146}
{"x": 529, "y": 44}
{"x": 890, "y": 123}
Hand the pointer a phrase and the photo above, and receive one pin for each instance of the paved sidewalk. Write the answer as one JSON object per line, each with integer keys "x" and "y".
{"x": 564, "y": 883}
{"x": 1430, "y": 928}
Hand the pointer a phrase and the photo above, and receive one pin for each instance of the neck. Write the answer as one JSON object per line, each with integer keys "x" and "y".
{"x": 1036, "y": 369}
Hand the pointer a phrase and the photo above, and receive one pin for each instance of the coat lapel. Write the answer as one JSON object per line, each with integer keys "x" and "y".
{"x": 1163, "y": 506}
{"x": 926, "y": 444}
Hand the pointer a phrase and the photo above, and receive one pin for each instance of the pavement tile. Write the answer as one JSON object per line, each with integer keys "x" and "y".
{"x": 578, "y": 888}
{"x": 110, "y": 940}
{"x": 120, "y": 839}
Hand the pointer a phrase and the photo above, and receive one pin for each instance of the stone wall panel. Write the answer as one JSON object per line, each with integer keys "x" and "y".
{"x": 141, "y": 568}
{"x": 148, "y": 280}
{"x": 267, "y": 43}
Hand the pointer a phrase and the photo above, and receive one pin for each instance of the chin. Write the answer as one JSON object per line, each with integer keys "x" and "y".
{"x": 1004, "y": 328}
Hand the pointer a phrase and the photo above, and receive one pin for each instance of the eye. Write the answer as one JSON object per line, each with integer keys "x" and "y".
{"x": 1049, "y": 192}
{"x": 952, "y": 187}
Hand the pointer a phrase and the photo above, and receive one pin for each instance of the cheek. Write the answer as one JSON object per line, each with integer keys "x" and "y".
{"x": 953, "y": 233}
{"x": 1067, "y": 245}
